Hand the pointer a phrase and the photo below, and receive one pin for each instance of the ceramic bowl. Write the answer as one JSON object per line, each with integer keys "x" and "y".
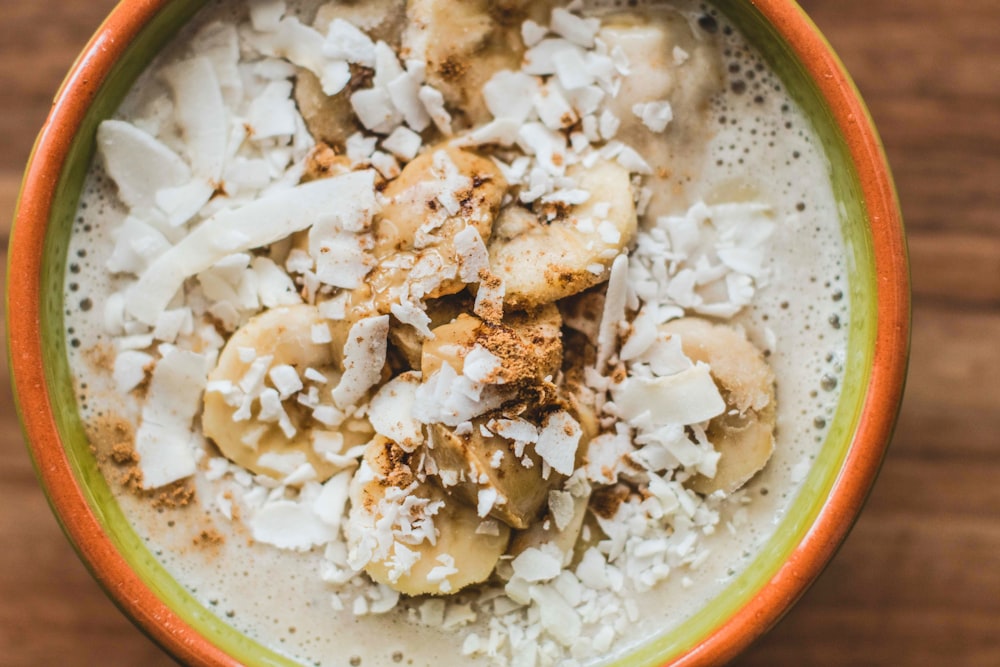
{"x": 815, "y": 525}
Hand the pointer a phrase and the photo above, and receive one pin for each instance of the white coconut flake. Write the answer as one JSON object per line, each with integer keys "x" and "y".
{"x": 473, "y": 258}
{"x": 534, "y": 564}
{"x": 182, "y": 203}
{"x": 130, "y": 369}
{"x": 433, "y": 102}
{"x": 654, "y": 115}
{"x": 481, "y": 365}
{"x": 330, "y": 505}
{"x": 172, "y": 323}
{"x": 386, "y": 165}
{"x": 498, "y": 132}
{"x": 532, "y": 33}
{"x": 139, "y": 164}
{"x": 556, "y": 615}
{"x": 364, "y": 357}
{"x": 290, "y": 525}
{"x": 614, "y": 310}
{"x": 303, "y": 46}
{"x": 137, "y": 244}
{"x": 375, "y": 110}
{"x": 404, "y": 143}
{"x": 272, "y": 112}
{"x": 486, "y": 500}
{"x": 359, "y": 148}
{"x": 510, "y": 95}
{"x": 266, "y": 14}
{"x": 558, "y": 440}
{"x": 450, "y": 398}
{"x": 579, "y": 30}
{"x": 609, "y": 124}
{"x": 540, "y": 58}
{"x": 404, "y": 91}
{"x": 391, "y": 411}
{"x": 604, "y": 456}
{"x": 201, "y": 115}
{"x": 344, "y": 41}
{"x": 341, "y": 258}
{"x": 414, "y": 315}
{"x": 687, "y": 397}
{"x": 286, "y": 380}
{"x": 164, "y": 440}
{"x": 629, "y": 158}
{"x": 561, "y": 507}
{"x": 572, "y": 71}
{"x": 257, "y": 224}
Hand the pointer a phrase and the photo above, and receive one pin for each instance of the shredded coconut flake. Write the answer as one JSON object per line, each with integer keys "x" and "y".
{"x": 364, "y": 357}
{"x": 558, "y": 440}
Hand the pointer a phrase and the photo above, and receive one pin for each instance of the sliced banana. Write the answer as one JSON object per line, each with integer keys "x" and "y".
{"x": 421, "y": 192}
{"x": 547, "y": 532}
{"x": 329, "y": 119}
{"x": 744, "y": 434}
{"x": 436, "y": 196}
{"x": 413, "y": 536}
{"x": 464, "y": 44}
{"x": 410, "y": 344}
{"x": 245, "y": 412}
{"x": 528, "y": 345}
{"x": 542, "y": 262}
{"x": 382, "y": 20}
{"x": 668, "y": 63}
{"x": 486, "y": 468}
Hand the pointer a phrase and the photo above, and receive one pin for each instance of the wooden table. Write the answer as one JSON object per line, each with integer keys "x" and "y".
{"x": 918, "y": 580}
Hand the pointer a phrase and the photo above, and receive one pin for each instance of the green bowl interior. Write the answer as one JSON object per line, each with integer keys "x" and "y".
{"x": 789, "y": 533}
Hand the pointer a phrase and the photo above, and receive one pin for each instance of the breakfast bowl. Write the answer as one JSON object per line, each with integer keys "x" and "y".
{"x": 84, "y": 398}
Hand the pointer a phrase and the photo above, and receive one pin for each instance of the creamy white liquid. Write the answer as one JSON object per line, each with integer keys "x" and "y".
{"x": 762, "y": 141}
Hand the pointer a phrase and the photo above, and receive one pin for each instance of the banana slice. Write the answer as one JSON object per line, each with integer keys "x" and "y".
{"x": 464, "y": 44}
{"x": 436, "y": 196}
{"x": 547, "y": 532}
{"x": 478, "y": 468}
{"x": 527, "y": 344}
{"x": 382, "y": 20}
{"x": 411, "y": 535}
{"x": 410, "y": 344}
{"x": 495, "y": 471}
{"x": 543, "y": 262}
{"x": 744, "y": 434}
{"x": 329, "y": 119}
{"x": 423, "y": 191}
{"x": 251, "y": 411}
{"x": 668, "y": 63}
{"x": 487, "y": 466}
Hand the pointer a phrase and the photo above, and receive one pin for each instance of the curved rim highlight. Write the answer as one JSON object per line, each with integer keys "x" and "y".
{"x": 184, "y": 642}
{"x": 888, "y": 374}
{"x": 24, "y": 337}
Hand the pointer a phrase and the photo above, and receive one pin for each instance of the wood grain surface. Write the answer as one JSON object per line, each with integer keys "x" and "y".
{"x": 918, "y": 580}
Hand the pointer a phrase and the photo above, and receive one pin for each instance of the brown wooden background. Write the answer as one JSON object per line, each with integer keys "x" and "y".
{"x": 918, "y": 580}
